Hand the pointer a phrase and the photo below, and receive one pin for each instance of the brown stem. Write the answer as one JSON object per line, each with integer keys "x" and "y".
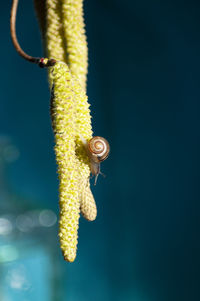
{"x": 13, "y": 14}
{"x": 40, "y": 61}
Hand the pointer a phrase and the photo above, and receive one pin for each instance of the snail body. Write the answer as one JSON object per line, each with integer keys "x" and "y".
{"x": 98, "y": 150}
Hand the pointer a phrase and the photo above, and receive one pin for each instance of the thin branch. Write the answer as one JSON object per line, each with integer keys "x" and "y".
{"x": 14, "y": 36}
{"x": 40, "y": 61}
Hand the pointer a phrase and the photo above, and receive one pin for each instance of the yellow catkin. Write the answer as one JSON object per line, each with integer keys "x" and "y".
{"x": 63, "y": 119}
{"x": 72, "y": 11}
{"x": 77, "y": 57}
{"x": 74, "y": 33}
{"x": 54, "y": 39}
{"x": 66, "y": 41}
{"x": 83, "y": 133}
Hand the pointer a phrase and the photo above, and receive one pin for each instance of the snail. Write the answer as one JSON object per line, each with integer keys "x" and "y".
{"x": 98, "y": 150}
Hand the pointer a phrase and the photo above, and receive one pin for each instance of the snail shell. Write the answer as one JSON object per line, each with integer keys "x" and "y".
{"x": 98, "y": 150}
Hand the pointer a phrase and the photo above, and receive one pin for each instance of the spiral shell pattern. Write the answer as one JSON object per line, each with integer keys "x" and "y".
{"x": 99, "y": 148}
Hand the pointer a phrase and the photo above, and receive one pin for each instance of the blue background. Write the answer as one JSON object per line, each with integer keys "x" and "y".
{"x": 144, "y": 91}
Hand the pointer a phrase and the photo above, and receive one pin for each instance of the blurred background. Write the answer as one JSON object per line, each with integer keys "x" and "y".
{"x": 144, "y": 91}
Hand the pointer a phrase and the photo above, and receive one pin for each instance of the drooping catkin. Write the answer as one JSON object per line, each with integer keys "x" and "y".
{"x": 55, "y": 44}
{"x": 83, "y": 133}
{"x": 63, "y": 121}
{"x": 77, "y": 59}
{"x": 66, "y": 41}
{"x": 74, "y": 33}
